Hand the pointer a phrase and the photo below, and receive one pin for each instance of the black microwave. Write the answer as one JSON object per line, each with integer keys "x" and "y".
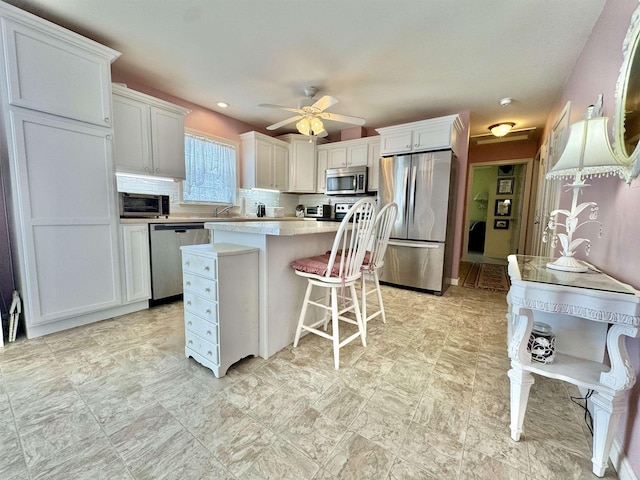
{"x": 346, "y": 181}
{"x": 136, "y": 205}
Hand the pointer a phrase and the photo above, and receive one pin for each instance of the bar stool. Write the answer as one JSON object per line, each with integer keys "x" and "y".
{"x": 338, "y": 270}
{"x": 374, "y": 261}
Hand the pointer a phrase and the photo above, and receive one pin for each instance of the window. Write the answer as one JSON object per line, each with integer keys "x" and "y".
{"x": 210, "y": 169}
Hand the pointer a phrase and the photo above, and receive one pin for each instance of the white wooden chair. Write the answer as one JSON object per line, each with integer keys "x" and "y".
{"x": 338, "y": 272}
{"x": 374, "y": 261}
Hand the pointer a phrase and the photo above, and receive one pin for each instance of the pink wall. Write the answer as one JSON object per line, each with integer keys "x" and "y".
{"x": 617, "y": 253}
{"x": 493, "y": 152}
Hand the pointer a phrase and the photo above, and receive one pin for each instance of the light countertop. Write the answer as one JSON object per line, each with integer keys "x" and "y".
{"x": 276, "y": 227}
{"x": 206, "y": 219}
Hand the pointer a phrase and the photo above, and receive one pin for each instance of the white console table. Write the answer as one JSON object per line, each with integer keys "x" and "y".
{"x": 590, "y": 314}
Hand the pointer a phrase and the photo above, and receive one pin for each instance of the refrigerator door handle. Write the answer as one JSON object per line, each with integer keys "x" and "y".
{"x": 412, "y": 194}
{"x": 414, "y": 245}
{"x": 405, "y": 187}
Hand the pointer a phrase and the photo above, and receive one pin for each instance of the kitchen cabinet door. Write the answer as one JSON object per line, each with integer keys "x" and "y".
{"x": 135, "y": 254}
{"x": 322, "y": 170}
{"x": 70, "y": 255}
{"x": 337, "y": 157}
{"x": 58, "y": 74}
{"x": 302, "y": 163}
{"x": 373, "y": 164}
{"x": 280, "y": 167}
{"x": 357, "y": 155}
{"x": 167, "y": 140}
{"x": 132, "y": 133}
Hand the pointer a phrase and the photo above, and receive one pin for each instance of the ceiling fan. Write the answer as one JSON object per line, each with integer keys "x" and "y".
{"x": 309, "y": 118}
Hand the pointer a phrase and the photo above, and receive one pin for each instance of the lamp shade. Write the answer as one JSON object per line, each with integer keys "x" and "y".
{"x": 587, "y": 152}
{"x": 501, "y": 129}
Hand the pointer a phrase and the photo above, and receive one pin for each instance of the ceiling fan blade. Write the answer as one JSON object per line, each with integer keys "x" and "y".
{"x": 336, "y": 117}
{"x": 288, "y": 109}
{"x": 325, "y": 102}
{"x": 284, "y": 122}
{"x": 323, "y": 133}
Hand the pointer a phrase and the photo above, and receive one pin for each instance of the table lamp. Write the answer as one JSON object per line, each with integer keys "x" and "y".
{"x": 587, "y": 154}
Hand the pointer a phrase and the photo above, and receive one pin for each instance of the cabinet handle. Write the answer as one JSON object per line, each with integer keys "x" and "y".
{"x": 206, "y": 269}
{"x": 208, "y": 312}
{"x": 187, "y": 263}
{"x": 209, "y": 353}
{"x": 189, "y": 302}
{"x": 189, "y": 323}
{"x": 108, "y": 137}
{"x": 208, "y": 290}
{"x": 107, "y": 119}
{"x": 190, "y": 342}
{"x": 157, "y": 169}
{"x": 146, "y": 169}
{"x": 208, "y": 332}
{"x": 188, "y": 283}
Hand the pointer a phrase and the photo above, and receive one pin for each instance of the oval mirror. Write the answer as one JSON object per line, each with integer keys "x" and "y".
{"x": 626, "y": 125}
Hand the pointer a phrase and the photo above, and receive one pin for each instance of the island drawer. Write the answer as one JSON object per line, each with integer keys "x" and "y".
{"x": 202, "y": 328}
{"x": 208, "y": 350}
{"x": 198, "y": 285}
{"x": 201, "y": 307}
{"x": 200, "y": 265}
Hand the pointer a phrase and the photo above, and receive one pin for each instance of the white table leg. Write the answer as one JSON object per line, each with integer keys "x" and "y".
{"x": 521, "y": 382}
{"x": 607, "y": 411}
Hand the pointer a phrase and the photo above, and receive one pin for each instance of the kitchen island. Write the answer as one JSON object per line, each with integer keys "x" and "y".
{"x": 281, "y": 291}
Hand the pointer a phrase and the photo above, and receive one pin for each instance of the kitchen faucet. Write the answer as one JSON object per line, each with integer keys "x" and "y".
{"x": 225, "y": 209}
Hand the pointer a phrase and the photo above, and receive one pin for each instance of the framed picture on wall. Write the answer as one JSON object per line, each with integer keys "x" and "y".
{"x": 503, "y": 208}
{"x": 505, "y": 186}
{"x": 501, "y": 224}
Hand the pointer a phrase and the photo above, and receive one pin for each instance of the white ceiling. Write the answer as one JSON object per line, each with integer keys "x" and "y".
{"x": 388, "y": 61}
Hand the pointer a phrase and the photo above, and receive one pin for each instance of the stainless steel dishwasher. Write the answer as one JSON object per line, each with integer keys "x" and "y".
{"x": 166, "y": 259}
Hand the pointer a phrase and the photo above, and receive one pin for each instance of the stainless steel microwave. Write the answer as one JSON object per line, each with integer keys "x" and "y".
{"x": 136, "y": 205}
{"x": 346, "y": 181}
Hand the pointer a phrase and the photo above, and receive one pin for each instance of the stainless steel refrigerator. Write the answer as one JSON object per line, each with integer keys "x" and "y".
{"x": 420, "y": 247}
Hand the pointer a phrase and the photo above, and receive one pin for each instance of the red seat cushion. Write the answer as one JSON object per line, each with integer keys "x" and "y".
{"x": 365, "y": 262}
{"x": 317, "y": 265}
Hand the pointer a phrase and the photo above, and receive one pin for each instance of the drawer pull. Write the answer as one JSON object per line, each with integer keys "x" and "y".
{"x": 188, "y": 283}
{"x": 208, "y": 312}
{"x": 187, "y": 263}
{"x": 189, "y": 323}
{"x": 209, "y": 353}
{"x": 208, "y": 332}
{"x": 188, "y": 302}
{"x": 206, "y": 269}
{"x": 208, "y": 290}
{"x": 190, "y": 342}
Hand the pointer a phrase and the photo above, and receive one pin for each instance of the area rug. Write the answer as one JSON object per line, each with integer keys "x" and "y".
{"x": 486, "y": 276}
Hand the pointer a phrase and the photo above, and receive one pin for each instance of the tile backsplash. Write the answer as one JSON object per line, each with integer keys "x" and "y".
{"x": 287, "y": 201}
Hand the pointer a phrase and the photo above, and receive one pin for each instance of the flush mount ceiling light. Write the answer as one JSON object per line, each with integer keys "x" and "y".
{"x": 223, "y": 104}
{"x": 501, "y": 129}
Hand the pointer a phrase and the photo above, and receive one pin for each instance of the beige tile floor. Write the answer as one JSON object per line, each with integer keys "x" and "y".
{"x": 427, "y": 399}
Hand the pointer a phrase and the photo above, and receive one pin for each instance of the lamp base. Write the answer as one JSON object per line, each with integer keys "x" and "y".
{"x": 568, "y": 264}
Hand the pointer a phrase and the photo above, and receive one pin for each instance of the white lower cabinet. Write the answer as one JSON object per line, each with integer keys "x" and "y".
{"x": 135, "y": 253}
{"x": 220, "y": 284}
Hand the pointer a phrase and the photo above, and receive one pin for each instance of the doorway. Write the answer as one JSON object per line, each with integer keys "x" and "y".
{"x": 497, "y": 210}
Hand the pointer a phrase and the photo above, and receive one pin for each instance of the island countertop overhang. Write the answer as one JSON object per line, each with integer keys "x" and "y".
{"x": 276, "y": 227}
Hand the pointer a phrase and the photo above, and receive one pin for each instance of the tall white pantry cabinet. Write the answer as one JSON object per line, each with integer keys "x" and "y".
{"x": 58, "y": 170}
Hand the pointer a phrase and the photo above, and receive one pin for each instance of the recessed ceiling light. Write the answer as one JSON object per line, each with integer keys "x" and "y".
{"x": 223, "y": 104}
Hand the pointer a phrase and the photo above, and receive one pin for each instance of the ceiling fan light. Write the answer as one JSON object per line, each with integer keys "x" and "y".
{"x": 316, "y": 125}
{"x": 501, "y": 129}
{"x": 304, "y": 127}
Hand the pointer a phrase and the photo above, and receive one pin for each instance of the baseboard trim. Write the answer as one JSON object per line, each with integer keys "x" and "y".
{"x": 620, "y": 462}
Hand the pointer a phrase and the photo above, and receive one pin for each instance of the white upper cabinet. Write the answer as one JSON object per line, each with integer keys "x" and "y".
{"x": 322, "y": 168}
{"x": 265, "y": 162}
{"x": 149, "y": 134}
{"x": 434, "y": 134}
{"x": 302, "y": 162}
{"x": 76, "y": 71}
{"x": 373, "y": 162}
